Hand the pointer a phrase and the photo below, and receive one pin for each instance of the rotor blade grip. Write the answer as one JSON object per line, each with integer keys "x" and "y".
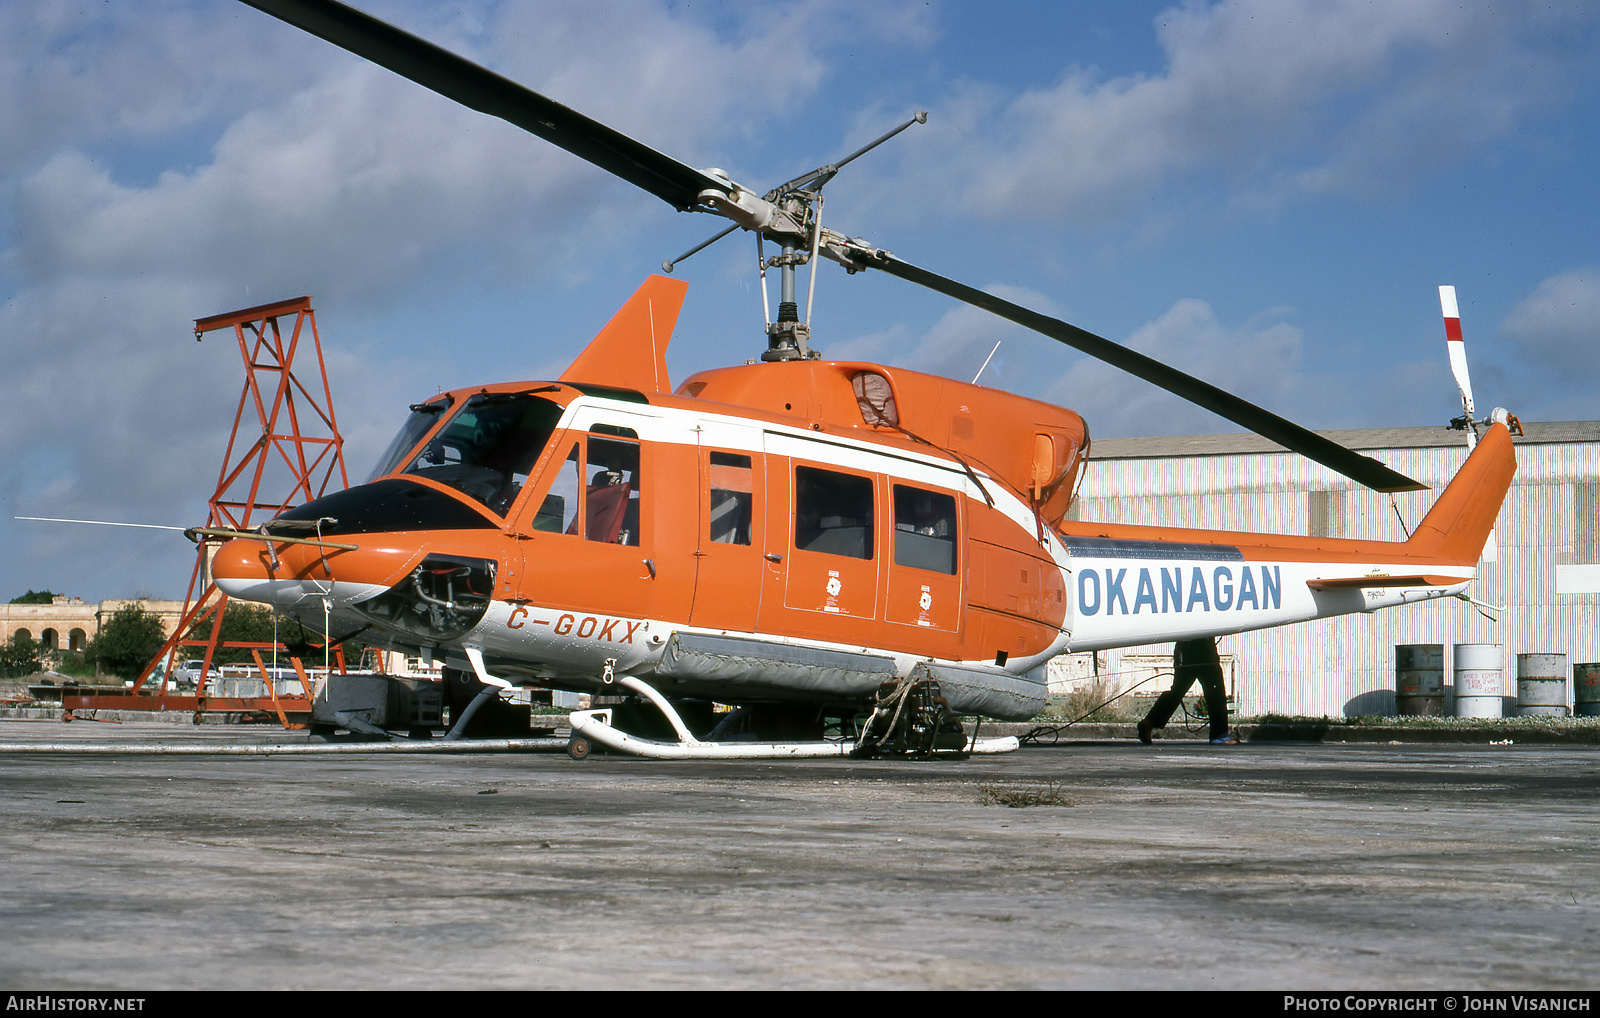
{"x": 1362, "y": 469}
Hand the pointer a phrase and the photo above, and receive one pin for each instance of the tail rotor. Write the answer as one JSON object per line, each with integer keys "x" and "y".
{"x": 1458, "y": 367}
{"x": 1458, "y": 363}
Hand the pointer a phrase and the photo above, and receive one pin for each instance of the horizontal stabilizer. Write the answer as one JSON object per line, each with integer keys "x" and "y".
{"x": 1345, "y": 582}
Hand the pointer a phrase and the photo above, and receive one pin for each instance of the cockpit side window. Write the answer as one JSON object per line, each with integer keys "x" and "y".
{"x": 612, "y": 499}
{"x": 597, "y": 490}
{"x": 486, "y": 450}
{"x": 558, "y": 513}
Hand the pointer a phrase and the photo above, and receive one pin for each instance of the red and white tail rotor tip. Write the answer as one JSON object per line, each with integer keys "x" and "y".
{"x": 1457, "y": 348}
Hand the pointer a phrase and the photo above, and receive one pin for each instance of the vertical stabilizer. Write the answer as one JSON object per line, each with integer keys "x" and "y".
{"x": 631, "y": 351}
{"x": 1460, "y": 523}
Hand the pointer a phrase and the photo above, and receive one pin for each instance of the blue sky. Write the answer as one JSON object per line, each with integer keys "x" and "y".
{"x": 1266, "y": 193}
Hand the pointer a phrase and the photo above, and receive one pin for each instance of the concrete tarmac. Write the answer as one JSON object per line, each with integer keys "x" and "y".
{"x": 1115, "y": 866}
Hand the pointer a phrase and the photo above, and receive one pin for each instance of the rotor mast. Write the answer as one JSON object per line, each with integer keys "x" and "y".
{"x": 791, "y": 216}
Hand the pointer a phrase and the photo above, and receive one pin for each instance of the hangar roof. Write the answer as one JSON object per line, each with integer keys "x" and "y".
{"x": 1364, "y": 439}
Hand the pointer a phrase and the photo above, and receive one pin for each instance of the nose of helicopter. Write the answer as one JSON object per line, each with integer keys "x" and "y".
{"x": 286, "y": 577}
{"x": 437, "y": 598}
{"x": 342, "y": 548}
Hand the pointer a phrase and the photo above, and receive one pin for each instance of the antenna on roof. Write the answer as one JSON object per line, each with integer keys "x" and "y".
{"x": 986, "y": 361}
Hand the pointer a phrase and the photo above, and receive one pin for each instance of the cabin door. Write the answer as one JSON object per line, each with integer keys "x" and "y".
{"x": 602, "y": 503}
{"x": 832, "y": 564}
{"x": 730, "y": 537}
{"x": 925, "y": 564}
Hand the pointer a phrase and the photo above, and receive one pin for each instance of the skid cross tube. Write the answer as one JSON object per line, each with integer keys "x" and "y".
{"x": 596, "y": 726}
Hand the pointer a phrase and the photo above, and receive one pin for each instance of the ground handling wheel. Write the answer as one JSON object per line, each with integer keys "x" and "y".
{"x": 579, "y": 748}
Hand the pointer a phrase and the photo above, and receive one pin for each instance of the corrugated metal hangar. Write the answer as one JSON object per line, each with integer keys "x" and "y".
{"x": 1549, "y": 525}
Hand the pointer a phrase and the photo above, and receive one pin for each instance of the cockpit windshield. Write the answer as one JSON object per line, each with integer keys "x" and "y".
{"x": 485, "y": 450}
{"x": 423, "y": 417}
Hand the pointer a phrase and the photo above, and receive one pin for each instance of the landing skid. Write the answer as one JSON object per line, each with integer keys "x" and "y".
{"x": 595, "y": 727}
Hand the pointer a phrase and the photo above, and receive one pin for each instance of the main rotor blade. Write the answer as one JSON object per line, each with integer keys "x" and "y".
{"x": 454, "y": 77}
{"x": 1359, "y": 468}
{"x": 680, "y": 186}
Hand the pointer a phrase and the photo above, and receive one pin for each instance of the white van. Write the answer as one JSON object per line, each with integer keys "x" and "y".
{"x": 188, "y": 675}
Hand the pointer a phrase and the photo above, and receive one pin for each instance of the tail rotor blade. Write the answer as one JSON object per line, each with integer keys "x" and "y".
{"x": 1458, "y": 367}
{"x": 1457, "y": 348}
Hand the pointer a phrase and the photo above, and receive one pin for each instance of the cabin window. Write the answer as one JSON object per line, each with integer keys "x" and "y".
{"x": 732, "y": 497}
{"x": 924, "y": 529}
{"x": 611, "y": 500}
{"x": 832, "y": 512}
{"x": 486, "y": 450}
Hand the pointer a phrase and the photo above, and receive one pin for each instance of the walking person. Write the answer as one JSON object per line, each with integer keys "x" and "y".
{"x": 1193, "y": 660}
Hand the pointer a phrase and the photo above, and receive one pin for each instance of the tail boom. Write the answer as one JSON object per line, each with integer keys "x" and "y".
{"x": 1136, "y": 585}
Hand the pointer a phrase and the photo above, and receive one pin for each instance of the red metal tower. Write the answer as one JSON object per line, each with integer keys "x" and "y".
{"x": 291, "y": 452}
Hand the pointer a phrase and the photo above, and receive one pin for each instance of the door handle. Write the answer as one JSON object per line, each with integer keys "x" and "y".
{"x": 650, "y": 565}
{"x": 770, "y": 557}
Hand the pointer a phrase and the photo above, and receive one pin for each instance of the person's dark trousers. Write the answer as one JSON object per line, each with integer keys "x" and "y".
{"x": 1194, "y": 660}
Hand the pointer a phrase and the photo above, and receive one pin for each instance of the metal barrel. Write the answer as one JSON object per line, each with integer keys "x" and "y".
{"x": 1586, "y": 690}
{"x": 1478, "y": 680}
{"x": 1419, "y": 679}
{"x": 1542, "y": 685}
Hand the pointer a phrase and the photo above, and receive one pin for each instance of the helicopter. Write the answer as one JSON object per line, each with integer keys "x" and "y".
{"x": 854, "y": 556}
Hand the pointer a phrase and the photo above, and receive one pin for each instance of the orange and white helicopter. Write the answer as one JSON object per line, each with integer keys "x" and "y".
{"x": 807, "y": 539}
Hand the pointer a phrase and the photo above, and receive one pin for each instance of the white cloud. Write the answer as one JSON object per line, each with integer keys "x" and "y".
{"x": 1559, "y": 323}
{"x": 956, "y": 345}
{"x": 360, "y": 171}
{"x": 1259, "y": 361}
{"x": 1271, "y": 98}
